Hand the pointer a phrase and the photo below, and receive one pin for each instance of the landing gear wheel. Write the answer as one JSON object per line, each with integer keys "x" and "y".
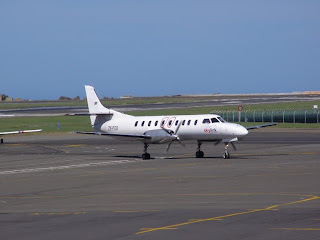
{"x": 145, "y": 156}
{"x": 1, "y": 141}
{"x": 226, "y": 155}
{"x": 199, "y": 154}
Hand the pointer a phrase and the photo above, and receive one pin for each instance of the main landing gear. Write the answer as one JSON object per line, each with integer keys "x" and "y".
{"x": 145, "y": 155}
{"x": 1, "y": 141}
{"x": 199, "y": 153}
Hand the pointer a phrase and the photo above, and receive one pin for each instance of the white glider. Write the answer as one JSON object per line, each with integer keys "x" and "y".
{"x": 18, "y": 132}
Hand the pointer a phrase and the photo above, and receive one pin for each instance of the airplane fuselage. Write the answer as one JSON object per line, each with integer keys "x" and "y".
{"x": 207, "y": 127}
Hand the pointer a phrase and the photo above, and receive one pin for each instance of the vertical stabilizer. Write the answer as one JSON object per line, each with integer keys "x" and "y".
{"x": 94, "y": 104}
{"x": 98, "y": 113}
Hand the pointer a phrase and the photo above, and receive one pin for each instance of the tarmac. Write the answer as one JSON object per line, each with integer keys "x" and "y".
{"x": 73, "y": 186}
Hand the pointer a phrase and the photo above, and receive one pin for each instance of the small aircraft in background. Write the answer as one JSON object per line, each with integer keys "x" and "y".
{"x": 18, "y": 132}
{"x": 163, "y": 129}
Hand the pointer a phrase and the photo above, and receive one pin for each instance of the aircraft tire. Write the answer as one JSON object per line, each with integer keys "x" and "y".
{"x": 226, "y": 155}
{"x": 145, "y": 156}
{"x": 1, "y": 141}
{"x": 199, "y": 154}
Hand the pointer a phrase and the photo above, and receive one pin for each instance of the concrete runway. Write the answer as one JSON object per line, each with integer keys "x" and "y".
{"x": 94, "y": 187}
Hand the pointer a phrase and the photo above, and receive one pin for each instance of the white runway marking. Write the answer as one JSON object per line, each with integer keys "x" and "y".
{"x": 32, "y": 170}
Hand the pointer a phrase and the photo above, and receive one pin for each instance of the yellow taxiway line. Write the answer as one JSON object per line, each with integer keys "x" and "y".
{"x": 192, "y": 221}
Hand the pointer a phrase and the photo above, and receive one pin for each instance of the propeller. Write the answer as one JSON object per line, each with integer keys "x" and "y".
{"x": 174, "y": 135}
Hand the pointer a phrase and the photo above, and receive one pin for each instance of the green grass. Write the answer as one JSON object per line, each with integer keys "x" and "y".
{"x": 206, "y": 110}
{"x": 271, "y": 106}
{"x": 284, "y": 125}
{"x": 105, "y": 101}
{"x": 82, "y": 123}
{"x": 172, "y": 111}
{"x": 48, "y": 124}
{"x": 152, "y": 100}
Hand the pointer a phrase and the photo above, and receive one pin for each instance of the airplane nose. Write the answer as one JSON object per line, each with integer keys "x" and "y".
{"x": 241, "y": 131}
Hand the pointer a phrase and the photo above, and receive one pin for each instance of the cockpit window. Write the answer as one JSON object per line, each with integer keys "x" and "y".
{"x": 221, "y": 119}
{"x": 206, "y": 120}
{"x": 214, "y": 120}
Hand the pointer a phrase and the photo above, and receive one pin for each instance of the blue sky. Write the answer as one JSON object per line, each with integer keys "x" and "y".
{"x": 50, "y": 49}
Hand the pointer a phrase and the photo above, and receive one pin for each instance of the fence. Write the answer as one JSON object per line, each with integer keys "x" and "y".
{"x": 280, "y": 116}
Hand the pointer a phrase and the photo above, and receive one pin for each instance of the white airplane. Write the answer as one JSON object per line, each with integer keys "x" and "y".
{"x": 163, "y": 129}
{"x": 18, "y": 132}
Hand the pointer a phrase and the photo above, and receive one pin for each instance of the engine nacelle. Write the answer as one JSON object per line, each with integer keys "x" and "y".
{"x": 159, "y": 136}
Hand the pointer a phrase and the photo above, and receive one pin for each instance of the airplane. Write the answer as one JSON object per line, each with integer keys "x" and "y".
{"x": 18, "y": 132}
{"x": 163, "y": 129}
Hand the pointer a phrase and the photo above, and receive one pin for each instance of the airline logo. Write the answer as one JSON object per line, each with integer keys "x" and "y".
{"x": 210, "y": 130}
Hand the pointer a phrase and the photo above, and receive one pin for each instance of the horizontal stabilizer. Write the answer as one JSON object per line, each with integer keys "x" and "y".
{"x": 261, "y": 126}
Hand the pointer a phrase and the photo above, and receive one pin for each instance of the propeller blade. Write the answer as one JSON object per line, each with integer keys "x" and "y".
{"x": 234, "y": 146}
{"x": 167, "y": 130}
{"x": 178, "y": 127}
{"x": 168, "y": 147}
{"x": 181, "y": 142}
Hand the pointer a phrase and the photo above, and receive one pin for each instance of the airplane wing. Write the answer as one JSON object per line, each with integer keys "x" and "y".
{"x": 261, "y": 126}
{"x": 127, "y": 136}
{"x": 21, "y": 131}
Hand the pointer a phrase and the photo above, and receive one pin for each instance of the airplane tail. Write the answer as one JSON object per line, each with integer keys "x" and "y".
{"x": 99, "y": 114}
{"x": 94, "y": 104}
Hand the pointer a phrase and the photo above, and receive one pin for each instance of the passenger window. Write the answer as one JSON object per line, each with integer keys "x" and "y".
{"x": 163, "y": 122}
{"x": 195, "y": 122}
{"x": 142, "y": 124}
{"x": 189, "y": 122}
{"x": 183, "y": 122}
{"x": 149, "y": 124}
{"x": 177, "y": 122}
{"x": 156, "y": 123}
{"x": 136, "y": 124}
{"x": 206, "y": 120}
{"x": 170, "y": 123}
{"x": 214, "y": 120}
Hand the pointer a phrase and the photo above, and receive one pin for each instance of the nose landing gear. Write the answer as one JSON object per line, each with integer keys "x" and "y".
{"x": 226, "y": 154}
